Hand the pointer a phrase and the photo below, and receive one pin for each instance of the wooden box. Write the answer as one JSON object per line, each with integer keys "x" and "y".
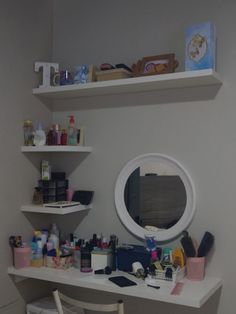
{"x": 113, "y": 74}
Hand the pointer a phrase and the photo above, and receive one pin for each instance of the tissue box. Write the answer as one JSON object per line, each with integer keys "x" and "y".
{"x": 101, "y": 259}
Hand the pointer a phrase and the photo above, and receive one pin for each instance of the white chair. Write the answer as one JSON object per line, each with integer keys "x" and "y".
{"x": 42, "y": 306}
{"x": 68, "y": 305}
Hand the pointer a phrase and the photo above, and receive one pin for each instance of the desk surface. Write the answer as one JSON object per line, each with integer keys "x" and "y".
{"x": 193, "y": 294}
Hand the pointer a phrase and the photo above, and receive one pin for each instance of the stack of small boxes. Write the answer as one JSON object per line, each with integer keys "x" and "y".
{"x": 54, "y": 190}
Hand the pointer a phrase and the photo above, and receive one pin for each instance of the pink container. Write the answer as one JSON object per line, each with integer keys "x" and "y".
{"x": 22, "y": 257}
{"x": 69, "y": 194}
{"x": 195, "y": 268}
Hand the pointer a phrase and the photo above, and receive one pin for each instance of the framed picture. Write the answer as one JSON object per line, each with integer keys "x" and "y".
{"x": 84, "y": 74}
{"x": 158, "y": 64}
{"x": 200, "y": 47}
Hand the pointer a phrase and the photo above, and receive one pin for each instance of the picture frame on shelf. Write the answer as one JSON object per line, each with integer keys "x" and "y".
{"x": 200, "y": 47}
{"x": 84, "y": 73}
{"x": 153, "y": 65}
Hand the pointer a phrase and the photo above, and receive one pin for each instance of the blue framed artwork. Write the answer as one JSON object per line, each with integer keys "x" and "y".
{"x": 200, "y": 47}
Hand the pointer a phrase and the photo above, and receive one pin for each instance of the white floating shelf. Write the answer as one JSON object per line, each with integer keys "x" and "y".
{"x": 193, "y": 294}
{"x": 56, "y": 149}
{"x": 131, "y": 85}
{"x": 52, "y": 210}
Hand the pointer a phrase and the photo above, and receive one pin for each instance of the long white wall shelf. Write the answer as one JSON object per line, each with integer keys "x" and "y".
{"x": 52, "y": 210}
{"x": 193, "y": 294}
{"x": 56, "y": 149}
{"x": 131, "y": 85}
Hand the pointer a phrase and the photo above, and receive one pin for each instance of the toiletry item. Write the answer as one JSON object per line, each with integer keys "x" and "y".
{"x": 113, "y": 244}
{"x": 57, "y": 134}
{"x": 77, "y": 257}
{"x": 54, "y": 236}
{"x": 28, "y": 133}
{"x": 85, "y": 262}
{"x": 72, "y": 132}
{"x": 39, "y": 136}
{"x": 178, "y": 257}
{"x": 206, "y": 244}
{"x": 45, "y": 170}
{"x": 167, "y": 256}
{"x": 50, "y": 137}
{"x": 187, "y": 244}
{"x": 63, "y": 137}
{"x": 54, "y": 229}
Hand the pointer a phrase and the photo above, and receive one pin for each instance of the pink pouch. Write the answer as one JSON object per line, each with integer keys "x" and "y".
{"x": 195, "y": 268}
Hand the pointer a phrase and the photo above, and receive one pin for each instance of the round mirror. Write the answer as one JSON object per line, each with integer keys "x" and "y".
{"x": 154, "y": 195}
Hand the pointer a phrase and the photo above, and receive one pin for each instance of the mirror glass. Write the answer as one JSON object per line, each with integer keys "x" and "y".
{"x": 154, "y": 193}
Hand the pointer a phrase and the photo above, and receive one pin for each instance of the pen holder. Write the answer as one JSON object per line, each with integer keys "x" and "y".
{"x": 195, "y": 268}
{"x": 21, "y": 257}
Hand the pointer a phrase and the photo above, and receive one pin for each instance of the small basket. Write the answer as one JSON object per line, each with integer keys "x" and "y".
{"x": 59, "y": 262}
{"x": 177, "y": 274}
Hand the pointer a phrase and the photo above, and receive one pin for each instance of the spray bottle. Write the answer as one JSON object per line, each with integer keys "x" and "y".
{"x": 72, "y": 132}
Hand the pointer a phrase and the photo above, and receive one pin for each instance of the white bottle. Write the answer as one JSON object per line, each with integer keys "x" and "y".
{"x": 39, "y": 136}
{"x": 54, "y": 236}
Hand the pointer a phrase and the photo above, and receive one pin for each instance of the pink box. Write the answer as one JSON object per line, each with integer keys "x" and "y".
{"x": 195, "y": 268}
{"x": 22, "y": 257}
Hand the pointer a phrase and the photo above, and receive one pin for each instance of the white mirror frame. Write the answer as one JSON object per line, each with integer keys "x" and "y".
{"x": 126, "y": 219}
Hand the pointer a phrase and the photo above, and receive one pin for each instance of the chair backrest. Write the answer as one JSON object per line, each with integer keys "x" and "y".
{"x": 75, "y": 305}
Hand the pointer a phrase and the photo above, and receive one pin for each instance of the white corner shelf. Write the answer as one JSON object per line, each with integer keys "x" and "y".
{"x": 52, "y": 210}
{"x": 56, "y": 149}
{"x": 193, "y": 294}
{"x": 132, "y": 85}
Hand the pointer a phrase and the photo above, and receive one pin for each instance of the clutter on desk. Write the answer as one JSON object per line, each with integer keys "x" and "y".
{"x": 102, "y": 255}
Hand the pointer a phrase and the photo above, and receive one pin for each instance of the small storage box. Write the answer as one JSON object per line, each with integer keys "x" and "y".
{"x": 134, "y": 253}
{"x": 113, "y": 74}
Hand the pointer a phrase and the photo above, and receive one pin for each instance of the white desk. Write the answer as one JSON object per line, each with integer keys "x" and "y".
{"x": 193, "y": 294}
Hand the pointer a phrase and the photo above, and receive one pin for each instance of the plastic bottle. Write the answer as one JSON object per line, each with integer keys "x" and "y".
{"x": 54, "y": 236}
{"x": 39, "y": 136}
{"x": 77, "y": 257}
{"x": 63, "y": 137}
{"x": 72, "y": 132}
{"x": 57, "y": 134}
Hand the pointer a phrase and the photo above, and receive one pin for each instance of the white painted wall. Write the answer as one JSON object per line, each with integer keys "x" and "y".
{"x": 201, "y": 134}
{"x": 25, "y": 33}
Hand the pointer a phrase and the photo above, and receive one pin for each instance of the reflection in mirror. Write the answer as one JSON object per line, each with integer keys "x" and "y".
{"x": 155, "y": 195}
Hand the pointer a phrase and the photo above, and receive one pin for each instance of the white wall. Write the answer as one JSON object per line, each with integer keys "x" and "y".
{"x": 194, "y": 126}
{"x": 25, "y": 32}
